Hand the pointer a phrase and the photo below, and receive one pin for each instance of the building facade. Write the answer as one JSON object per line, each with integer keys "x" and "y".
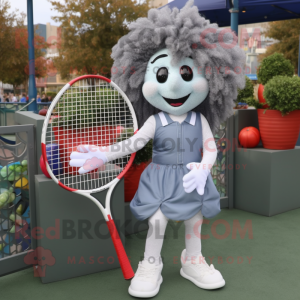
{"x": 253, "y": 41}
{"x": 158, "y": 3}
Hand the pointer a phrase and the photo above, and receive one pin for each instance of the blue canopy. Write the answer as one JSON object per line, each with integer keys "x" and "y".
{"x": 217, "y": 11}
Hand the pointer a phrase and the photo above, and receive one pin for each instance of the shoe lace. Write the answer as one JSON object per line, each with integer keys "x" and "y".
{"x": 144, "y": 272}
{"x": 204, "y": 267}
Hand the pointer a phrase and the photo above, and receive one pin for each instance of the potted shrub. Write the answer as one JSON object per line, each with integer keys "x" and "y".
{"x": 273, "y": 65}
{"x": 279, "y": 125}
{"x": 244, "y": 95}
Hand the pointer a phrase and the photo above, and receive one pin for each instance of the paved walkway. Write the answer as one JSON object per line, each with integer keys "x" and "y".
{"x": 273, "y": 272}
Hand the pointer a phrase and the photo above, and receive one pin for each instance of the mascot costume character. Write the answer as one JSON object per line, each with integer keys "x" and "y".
{"x": 182, "y": 75}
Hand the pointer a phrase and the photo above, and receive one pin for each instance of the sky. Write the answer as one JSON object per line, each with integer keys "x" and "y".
{"x": 42, "y": 12}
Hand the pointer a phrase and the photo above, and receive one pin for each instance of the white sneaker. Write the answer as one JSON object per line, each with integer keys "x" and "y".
{"x": 200, "y": 273}
{"x": 146, "y": 281}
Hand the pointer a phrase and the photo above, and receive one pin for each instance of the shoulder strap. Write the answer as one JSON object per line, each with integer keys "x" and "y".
{"x": 163, "y": 118}
{"x": 193, "y": 118}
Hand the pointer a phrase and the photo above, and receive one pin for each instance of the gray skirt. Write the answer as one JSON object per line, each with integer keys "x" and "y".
{"x": 161, "y": 187}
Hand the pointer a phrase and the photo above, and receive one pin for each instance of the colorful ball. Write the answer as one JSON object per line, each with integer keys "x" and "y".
{"x": 43, "y": 112}
{"x": 249, "y": 137}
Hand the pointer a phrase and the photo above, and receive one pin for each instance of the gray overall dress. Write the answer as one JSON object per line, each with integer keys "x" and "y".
{"x": 161, "y": 185}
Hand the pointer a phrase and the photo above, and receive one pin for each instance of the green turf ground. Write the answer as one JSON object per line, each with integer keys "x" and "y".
{"x": 274, "y": 271}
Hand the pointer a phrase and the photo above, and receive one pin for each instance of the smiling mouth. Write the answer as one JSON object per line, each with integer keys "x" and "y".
{"x": 176, "y": 102}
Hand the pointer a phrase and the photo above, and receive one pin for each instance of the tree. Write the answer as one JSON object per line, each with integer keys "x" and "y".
{"x": 7, "y": 23}
{"x": 90, "y": 30}
{"x": 287, "y": 33}
{"x": 14, "y": 66}
{"x": 247, "y": 92}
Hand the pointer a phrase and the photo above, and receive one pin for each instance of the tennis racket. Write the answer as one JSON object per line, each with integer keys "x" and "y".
{"x": 90, "y": 110}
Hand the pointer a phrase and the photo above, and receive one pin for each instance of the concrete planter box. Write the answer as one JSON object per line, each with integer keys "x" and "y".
{"x": 81, "y": 243}
{"x": 265, "y": 181}
{"x": 269, "y": 182}
{"x": 29, "y": 117}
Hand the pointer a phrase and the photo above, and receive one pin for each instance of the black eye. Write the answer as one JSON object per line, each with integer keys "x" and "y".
{"x": 162, "y": 75}
{"x": 186, "y": 73}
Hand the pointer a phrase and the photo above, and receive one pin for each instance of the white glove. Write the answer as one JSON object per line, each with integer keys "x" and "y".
{"x": 196, "y": 178}
{"x": 88, "y": 158}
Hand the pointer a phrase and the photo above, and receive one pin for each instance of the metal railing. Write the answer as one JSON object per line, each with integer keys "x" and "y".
{"x": 221, "y": 174}
{"x": 8, "y": 109}
{"x": 17, "y": 196}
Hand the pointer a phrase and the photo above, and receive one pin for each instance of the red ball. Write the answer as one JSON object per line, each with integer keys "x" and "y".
{"x": 260, "y": 95}
{"x": 43, "y": 167}
{"x": 249, "y": 137}
{"x": 43, "y": 112}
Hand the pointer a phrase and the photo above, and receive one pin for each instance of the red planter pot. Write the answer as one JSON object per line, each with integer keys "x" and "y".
{"x": 278, "y": 132}
{"x": 132, "y": 179}
{"x": 261, "y": 98}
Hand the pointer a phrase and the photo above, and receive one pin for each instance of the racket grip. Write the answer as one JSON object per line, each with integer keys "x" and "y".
{"x": 122, "y": 256}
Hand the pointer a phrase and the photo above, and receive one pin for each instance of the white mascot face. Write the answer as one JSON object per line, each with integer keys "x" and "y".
{"x": 175, "y": 89}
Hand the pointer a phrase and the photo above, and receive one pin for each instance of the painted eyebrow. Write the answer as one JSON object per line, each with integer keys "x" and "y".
{"x": 158, "y": 57}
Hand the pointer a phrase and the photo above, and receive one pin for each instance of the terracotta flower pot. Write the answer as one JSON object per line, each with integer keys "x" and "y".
{"x": 261, "y": 98}
{"x": 278, "y": 132}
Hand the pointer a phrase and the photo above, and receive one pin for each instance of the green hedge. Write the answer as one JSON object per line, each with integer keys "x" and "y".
{"x": 70, "y": 108}
{"x": 52, "y": 94}
{"x": 247, "y": 92}
{"x": 283, "y": 93}
{"x": 247, "y": 95}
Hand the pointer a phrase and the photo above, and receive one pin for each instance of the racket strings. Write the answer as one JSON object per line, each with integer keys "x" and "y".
{"x": 91, "y": 112}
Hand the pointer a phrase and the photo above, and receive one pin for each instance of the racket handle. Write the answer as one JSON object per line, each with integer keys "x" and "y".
{"x": 122, "y": 256}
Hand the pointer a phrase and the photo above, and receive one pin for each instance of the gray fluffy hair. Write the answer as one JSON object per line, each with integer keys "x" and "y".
{"x": 184, "y": 33}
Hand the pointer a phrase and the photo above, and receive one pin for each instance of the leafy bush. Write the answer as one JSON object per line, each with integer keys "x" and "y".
{"x": 247, "y": 92}
{"x": 246, "y": 95}
{"x": 274, "y": 65}
{"x": 253, "y": 102}
{"x": 52, "y": 94}
{"x": 283, "y": 93}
